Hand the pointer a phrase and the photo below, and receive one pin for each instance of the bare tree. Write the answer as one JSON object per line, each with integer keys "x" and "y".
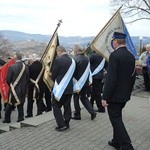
{"x": 133, "y": 9}
{"x": 5, "y": 47}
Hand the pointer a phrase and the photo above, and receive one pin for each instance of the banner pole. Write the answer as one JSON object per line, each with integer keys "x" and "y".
{"x": 58, "y": 25}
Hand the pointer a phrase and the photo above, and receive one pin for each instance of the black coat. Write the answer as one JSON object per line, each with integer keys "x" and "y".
{"x": 81, "y": 64}
{"x": 60, "y": 68}
{"x": 34, "y": 70}
{"x": 21, "y": 87}
{"x": 121, "y": 77}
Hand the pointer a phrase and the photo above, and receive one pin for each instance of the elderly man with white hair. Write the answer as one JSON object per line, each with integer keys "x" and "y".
{"x": 143, "y": 63}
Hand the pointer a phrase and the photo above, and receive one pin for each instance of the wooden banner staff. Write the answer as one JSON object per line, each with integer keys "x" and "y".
{"x": 58, "y": 25}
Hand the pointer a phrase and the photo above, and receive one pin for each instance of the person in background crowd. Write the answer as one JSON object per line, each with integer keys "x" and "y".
{"x": 148, "y": 60}
{"x": 17, "y": 79}
{"x": 143, "y": 64}
{"x": 62, "y": 74}
{"x": 81, "y": 83}
{"x": 117, "y": 89}
{"x": 98, "y": 64}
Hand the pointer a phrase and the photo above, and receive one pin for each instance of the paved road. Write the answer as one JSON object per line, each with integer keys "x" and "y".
{"x": 84, "y": 134}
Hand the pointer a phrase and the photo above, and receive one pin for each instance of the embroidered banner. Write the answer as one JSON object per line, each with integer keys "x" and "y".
{"x": 102, "y": 42}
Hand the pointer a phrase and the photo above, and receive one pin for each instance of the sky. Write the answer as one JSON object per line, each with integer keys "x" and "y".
{"x": 80, "y": 17}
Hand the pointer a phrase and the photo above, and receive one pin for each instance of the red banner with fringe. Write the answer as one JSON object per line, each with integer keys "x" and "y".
{"x": 4, "y": 88}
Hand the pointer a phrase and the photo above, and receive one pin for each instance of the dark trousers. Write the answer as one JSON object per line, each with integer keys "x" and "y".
{"x": 39, "y": 102}
{"x": 97, "y": 87}
{"x": 62, "y": 119}
{"x": 120, "y": 134}
{"x": 146, "y": 78}
{"x": 85, "y": 101}
{"x": 48, "y": 99}
{"x": 8, "y": 111}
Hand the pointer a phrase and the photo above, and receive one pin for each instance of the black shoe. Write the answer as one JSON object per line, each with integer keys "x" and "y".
{"x": 61, "y": 128}
{"x": 93, "y": 115}
{"x": 115, "y": 145}
{"x": 19, "y": 120}
{"x": 6, "y": 121}
{"x": 28, "y": 116}
{"x": 76, "y": 118}
{"x": 146, "y": 90}
{"x": 47, "y": 110}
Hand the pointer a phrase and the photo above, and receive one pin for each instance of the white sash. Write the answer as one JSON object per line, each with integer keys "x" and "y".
{"x": 80, "y": 83}
{"x": 59, "y": 89}
{"x": 99, "y": 67}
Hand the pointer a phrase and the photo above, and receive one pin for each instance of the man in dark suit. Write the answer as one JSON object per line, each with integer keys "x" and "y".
{"x": 17, "y": 79}
{"x": 81, "y": 83}
{"x": 98, "y": 64}
{"x": 62, "y": 74}
{"x": 117, "y": 90}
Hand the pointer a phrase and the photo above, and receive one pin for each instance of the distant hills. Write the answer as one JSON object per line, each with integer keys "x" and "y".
{"x": 69, "y": 41}
{"x": 16, "y": 36}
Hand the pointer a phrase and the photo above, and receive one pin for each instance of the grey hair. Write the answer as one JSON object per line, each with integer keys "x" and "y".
{"x": 18, "y": 55}
{"x": 78, "y": 49}
{"x": 61, "y": 48}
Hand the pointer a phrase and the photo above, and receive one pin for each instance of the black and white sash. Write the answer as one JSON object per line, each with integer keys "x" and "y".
{"x": 80, "y": 83}
{"x": 99, "y": 67}
{"x": 59, "y": 89}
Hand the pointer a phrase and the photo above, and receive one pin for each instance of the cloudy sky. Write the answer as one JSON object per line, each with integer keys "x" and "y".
{"x": 80, "y": 17}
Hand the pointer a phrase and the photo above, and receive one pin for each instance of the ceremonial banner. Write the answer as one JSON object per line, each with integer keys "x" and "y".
{"x": 47, "y": 60}
{"x": 4, "y": 88}
{"x": 102, "y": 42}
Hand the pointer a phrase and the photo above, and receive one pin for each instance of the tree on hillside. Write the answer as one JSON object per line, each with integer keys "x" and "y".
{"x": 5, "y": 47}
{"x": 133, "y": 9}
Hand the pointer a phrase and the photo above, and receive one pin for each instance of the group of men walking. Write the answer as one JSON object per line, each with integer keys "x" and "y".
{"x": 72, "y": 78}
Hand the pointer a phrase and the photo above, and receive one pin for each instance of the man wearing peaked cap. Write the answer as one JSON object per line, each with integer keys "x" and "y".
{"x": 118, "y": 86}
{"x": 119, "y": 35}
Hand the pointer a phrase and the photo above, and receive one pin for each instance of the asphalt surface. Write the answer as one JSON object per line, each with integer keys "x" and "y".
{"x": 84, "y": 134}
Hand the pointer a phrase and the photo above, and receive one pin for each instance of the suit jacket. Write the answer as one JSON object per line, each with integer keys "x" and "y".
{"x": 95, "y": 60}
{"x": 60, "y": 67}
{"x": 21, "y": 87}
{"x": 121, "y": 76}
{"x": 81, "y": 64}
